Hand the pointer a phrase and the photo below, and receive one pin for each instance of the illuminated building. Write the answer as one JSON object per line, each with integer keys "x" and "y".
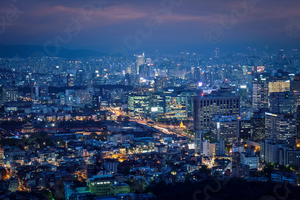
{"x": 279, "y": 86}
{"x": 43, "y": 89}
{"x": 101, "y": 185}
{"x": 35, "y": 92}
{"x": 140, "y": 60}
{"x": 296, "y": 83}
{"x": 80, "y": 77}
{"x": 139, "y": 105}
{"x": 258, "y": 125}
{"x": 224, "y": 128}
{"x": 281, "y": 102}
{"x": 213, "y": 149}
{"x": 160, "y": 83}
{"x": 70, "y": 80}
{"x": 10, "y": 94}
{"x": 175, "y": 106}
{"x": 259, "y": 93}
{"x": 157, "y": 105}
{"x": 128, "y": 69}
{"x": 244, "y": 129}
{"x": 206, "y": 106}
{"x": 121, "y": 188}
{"x": 281, "y": 127}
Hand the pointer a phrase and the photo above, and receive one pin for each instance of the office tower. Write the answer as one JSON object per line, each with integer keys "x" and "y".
{"x": 35, "y": 93}
{"x": 80, "y": 77}
{"x": 259, "y": 92}
{"x": 258, "y": 125}
{"x": 281, "y": 102}
{"x": 157, "y": 105}
{"x": 224, "y": 128}
{"x": 269, "y": 151}
{"x": 144, "y": 71}
{"x": 205, "y": 107}
{"x": 243, "y": 92}
{"x": 43, "y": 89}
{"x": 281, "y": 127}
{"x": 296, "y": 100}
{"x": 217, "y": 103}
{"x": 244, "y": 129}
{"x": 138, "y": 105}
{"x": 9, "y": 94}
{"x": 128, "y": 69}
{"x": 175, "y": 106}
{"x": 140, "y": 60}
{"x": 279, "y": 82}
{"x": 70, "y": 80}
{"x": 296, "y": 83}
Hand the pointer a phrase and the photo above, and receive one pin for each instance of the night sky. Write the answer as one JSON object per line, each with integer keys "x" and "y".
{"x": 193, "y": 25}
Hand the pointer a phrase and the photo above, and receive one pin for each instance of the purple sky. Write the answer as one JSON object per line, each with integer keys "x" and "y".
{"x": 267, "y": 24}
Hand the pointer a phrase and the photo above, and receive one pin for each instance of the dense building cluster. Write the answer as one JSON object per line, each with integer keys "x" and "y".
{"x": 110, "y": 127}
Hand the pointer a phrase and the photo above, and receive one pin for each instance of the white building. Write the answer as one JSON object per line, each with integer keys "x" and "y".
{"x": 249, "y": 158}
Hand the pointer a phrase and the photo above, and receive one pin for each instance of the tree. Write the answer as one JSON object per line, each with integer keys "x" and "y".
{"x": 268, "y": 169}
{"x": 216, "y": 173}
{"x": 103, "y": 136}
{"x": 126, "y": 170}
{"x": 188, "y": 177}
{"x": 204, "y": 170}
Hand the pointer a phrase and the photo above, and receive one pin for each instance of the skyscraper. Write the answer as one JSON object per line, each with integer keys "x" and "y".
{"x": 281, "y": 127}
{"x": 9, "y": 94}
{"x": 281, "y": 102}
{"x": 70, "y": 80}
{"x": 140, "y": 60}
{"x": 260, "y": 92}
{"x": 205, "y": 107}
{"x": 80, "y": 77}
{"x": 43, "y": 89}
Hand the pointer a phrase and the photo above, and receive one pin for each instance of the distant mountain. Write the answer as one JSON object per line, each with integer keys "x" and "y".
{"x": 38, "y": 51}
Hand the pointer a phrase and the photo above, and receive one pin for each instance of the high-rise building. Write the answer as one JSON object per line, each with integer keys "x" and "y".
{"x": 296, "y": 83}
{"x": 35, "y": 93}
{"x": 80, "y": 77}
{"x": 128, "y": 69}
{"x": 279, "y": 86}
{"x": 296, "y": 101}
{"x": 140, "y": 60}
{"x": 244, "y": 129}
{"x": 70, "y": 80}
{"x": 206, "y": 106}
{"x": 138, "y": 105}
{"x": 259, "y": 92}
{"x": 281, "y": 127}
{"x": 43, "y": 89}
{"x": 258, "y": 125}
{"x": 175, "y": 106}
{"x": 10, "y": 94}
{"x": 224, "y": 128}
{"x": 281, "y": 102}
